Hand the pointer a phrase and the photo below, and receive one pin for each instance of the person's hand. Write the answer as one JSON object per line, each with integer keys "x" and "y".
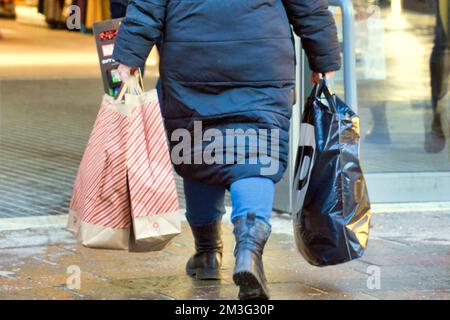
{"x": 126, "y": 71}
{"x": 317, "y": 76}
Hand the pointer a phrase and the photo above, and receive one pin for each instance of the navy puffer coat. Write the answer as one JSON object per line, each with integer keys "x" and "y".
{"x": 231, "y": 65}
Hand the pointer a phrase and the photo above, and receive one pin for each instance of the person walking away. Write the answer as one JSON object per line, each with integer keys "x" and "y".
{"x": 227, "y": 67}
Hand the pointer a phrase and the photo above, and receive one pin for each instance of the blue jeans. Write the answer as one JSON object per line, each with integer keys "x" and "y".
{"x": 205, "y": 203}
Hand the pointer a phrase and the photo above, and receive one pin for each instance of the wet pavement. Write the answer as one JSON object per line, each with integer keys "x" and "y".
{"x": 408, "y": 258}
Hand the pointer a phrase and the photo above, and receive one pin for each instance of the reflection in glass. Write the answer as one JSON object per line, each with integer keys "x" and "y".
{"x": 402, "y": 74}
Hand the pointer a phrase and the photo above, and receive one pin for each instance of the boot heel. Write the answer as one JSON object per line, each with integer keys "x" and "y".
{"x": 249, "y": 287}
{"x": 246, "y": 279}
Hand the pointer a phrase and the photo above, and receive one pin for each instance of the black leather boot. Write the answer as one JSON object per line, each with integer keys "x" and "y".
{"x": 251, "y": 236}
{"x": 206, "y": 262}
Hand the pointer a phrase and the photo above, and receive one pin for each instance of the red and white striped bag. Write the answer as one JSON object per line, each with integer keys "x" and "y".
{"x": 125, "y": 196}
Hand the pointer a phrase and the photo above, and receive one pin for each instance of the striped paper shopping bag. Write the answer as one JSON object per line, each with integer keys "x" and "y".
{"x": 152, "y": 189}
{"x": 124, "y": 196}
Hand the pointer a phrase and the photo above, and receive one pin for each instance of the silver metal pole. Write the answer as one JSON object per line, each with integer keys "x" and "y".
{"x": 348, "y": 48}
{"x": 283, "y": 197}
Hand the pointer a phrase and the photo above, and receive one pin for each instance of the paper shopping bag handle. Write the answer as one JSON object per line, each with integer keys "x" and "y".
{"x": 130, "y": 86}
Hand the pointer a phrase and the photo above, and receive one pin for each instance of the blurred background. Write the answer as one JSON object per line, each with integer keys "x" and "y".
{"x": 51, "y": 87}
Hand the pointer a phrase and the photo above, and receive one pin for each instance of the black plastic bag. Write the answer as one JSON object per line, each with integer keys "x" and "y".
{"x": 331, "y": 222}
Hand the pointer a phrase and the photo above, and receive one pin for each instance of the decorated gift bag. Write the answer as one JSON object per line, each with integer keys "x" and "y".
{"x": 125, "y": 196}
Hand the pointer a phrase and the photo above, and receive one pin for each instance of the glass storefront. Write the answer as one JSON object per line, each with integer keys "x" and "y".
{"x": 402, "y": 70}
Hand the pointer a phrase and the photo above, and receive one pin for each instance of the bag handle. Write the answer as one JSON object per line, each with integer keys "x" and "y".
{"x": 131, "y": 86}
{"x": 322, "y": 88}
